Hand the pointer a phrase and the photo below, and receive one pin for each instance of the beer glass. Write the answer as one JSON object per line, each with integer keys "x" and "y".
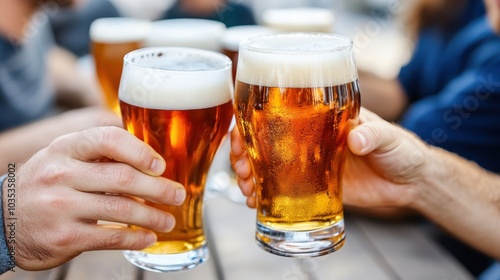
{"x": 111, "y": 40}
{"x": 296, "y": 99}
{"x": 234, "y": 35}
{"x": 179, "y": 101}
{"x": 186, "y": 32}
{"x": 301, "y": 19}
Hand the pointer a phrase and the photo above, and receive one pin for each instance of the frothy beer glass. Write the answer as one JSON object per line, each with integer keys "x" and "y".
{"x": 296, "y": 99}
{"x": 179, "y": 101}
{"x": 112, "y": 39}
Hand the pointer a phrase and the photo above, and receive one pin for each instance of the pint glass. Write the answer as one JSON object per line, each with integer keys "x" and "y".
{"x": 112, "y": 39}
{"x": 296, "y": 99}
{"x": 179, "y": 101}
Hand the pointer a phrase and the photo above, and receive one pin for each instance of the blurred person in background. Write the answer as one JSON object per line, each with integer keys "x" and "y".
{"x": 449, "y": 92}
{"x": 37, "y": 82}
{"x": 71, "y": 25}
{"x": 225, "y": 11}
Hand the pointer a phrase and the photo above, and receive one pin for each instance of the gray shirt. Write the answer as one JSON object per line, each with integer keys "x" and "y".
{"x": 25, "y": 91}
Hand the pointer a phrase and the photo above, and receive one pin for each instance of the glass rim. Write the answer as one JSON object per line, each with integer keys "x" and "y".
{"x": 270, "y": 50}
{"x": 225, "y": 64}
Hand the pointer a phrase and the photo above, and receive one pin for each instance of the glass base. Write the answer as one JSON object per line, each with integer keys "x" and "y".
{"x": 168, "y": 262}
{"x": 301, "y": 244}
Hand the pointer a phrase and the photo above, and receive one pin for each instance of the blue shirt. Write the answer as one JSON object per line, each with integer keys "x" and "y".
{"x": 453, "y": 85}
{"x": 231, "y": 14}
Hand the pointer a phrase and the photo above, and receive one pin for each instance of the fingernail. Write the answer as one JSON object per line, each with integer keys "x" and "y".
{"x": 362, "y": 139}
{"x": 169, "y": 224}
{"x": 180, "y": 195}
{"x": 158, "y": 166}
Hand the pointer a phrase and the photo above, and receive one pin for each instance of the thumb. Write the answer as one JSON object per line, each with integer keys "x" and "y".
{"x": 375, "y": 135}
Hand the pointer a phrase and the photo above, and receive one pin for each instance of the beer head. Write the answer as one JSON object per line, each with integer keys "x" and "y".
{"x": 234, "y": 35}
{"x": 172, "y": 78}
{"x": 194, "y": 33}
{"x": 300, "y": 60}
{"x": 299, "y": 19}
{"x": 119, "y": 30}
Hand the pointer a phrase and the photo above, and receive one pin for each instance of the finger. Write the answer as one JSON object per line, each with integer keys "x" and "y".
{"x": 246, "y": 186}
{"x": 242, "y": 167}
{"x": 119, "y": 178}
{"x": 120, "y": 209}
{"x": 112, "y": 237}
{"x": 113, "y": 143}
{"x": 237, "y": 145}
{"x": 373, "y": 135}
{"x": 251, "y": 202}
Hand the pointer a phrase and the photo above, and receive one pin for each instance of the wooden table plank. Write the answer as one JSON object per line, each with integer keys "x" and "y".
{"x": 357, "y": 259}
{"x": 19, "y": 274}
{"x": 105, "y": 265}
{"x": 205, "y": 271}
{"x": 410, "y": 253}
{"x": 233, "y": 227}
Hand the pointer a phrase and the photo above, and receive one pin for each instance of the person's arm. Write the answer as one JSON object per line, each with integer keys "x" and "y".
{"x": 18, "y": 144}
{"x": 72, "y": 89}
{"x": 6, "y": 263}
{"x": 400, "y": 170}
{"x": 462, "y": 198}
{"x": 61, "y": 193}
{"x": 385, "y": 97}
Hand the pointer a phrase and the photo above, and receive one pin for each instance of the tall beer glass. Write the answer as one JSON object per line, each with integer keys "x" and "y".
{"x": 296, "y": 99}
{"x": 179, "y": 101}
{"x": 112, "y": 39}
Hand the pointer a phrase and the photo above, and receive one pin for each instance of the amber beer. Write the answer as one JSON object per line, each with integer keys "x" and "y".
{"x": 296, "y": 99}
{"x": 178, "y": 100}
{"x": 111, "y": 40}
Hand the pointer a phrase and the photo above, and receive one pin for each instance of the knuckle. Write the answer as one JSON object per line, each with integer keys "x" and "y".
{"x": 66, "y": 237}
{"x": 145, "y": 157}
{"x": 125, "y": 176}
{"x": 119, "y": 206}
{"x": 115, "y": 240}
{"x": 155, "y": 219}
{"x": 53, "y": 174}
{"x": 166, "y": 192}
{"x": 108, "y": 137}
{"x": 54, "y": 201}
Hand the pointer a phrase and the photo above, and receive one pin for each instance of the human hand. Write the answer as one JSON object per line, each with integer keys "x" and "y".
{"x": 84, "y": 177}
{"x": 382, "y": 167}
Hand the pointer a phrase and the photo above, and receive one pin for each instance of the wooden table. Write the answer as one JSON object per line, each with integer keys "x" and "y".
{"x": 372, "y": 251}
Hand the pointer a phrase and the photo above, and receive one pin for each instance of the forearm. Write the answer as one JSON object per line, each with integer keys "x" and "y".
{"x": 384, "y": 97}
{"x": 462, "y": 198}
{"x": 73, "y": 89}
{"x": 18, "y": 144}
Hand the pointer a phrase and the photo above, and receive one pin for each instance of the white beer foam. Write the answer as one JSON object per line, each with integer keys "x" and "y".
{"x": 119, "y": 30}
{"x": 297, "y": 60}
{"x": 179, "y": 79}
